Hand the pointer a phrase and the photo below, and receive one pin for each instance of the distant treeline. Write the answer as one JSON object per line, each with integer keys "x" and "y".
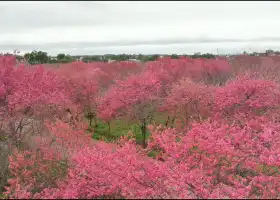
{"x": 40, "y": 57}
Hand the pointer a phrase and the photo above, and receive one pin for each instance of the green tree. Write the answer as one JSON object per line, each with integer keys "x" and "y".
{"x": 174, "y": 56}
{"x": 37, "y": 57}
{"x": 208, "y": 56}
{"x": 60, "y": 56}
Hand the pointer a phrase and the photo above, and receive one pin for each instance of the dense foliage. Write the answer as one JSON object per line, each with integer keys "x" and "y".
{"x": 208, "y": 129}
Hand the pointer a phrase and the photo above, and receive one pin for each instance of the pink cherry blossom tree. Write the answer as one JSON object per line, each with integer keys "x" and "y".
{"x": 244, "y": 98}
{"x": 134, "y": 99}
{"x": 189, "y": 101}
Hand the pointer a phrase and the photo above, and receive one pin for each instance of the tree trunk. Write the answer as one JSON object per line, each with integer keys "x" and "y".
{"x": 144, "y": 131}
{"x": 172, "y": 122}
{"x": 4, "y": 164}
{"x": 90, "y": 119}
{"x": 166, "y": 123}
{"x": 95, "y": 122}
{"x": 109, "y": 128}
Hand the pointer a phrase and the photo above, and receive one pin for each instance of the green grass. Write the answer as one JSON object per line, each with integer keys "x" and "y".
{"x": 153, "y": 154}
{"x": 160, "y": 118}
{"x": 3, "y": 196}
{"x": 121, "y": 128}
{"x": 118, "y": 128}
{"x": 3, "y": 138}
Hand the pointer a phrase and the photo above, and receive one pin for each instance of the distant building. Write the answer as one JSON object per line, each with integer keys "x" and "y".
{"x": 110, "y": 61}
{"x": 134, "y": 60}
{"x": 80, "y": 58}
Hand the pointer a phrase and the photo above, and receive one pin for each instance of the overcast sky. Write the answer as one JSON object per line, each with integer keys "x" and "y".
{"x": 139, "y": 27}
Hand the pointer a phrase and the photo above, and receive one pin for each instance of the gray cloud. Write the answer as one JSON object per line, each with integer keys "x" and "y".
{"x": 29, "y": 16}
{"x": 139, "y": 43}
{"x": 129, "y": 25}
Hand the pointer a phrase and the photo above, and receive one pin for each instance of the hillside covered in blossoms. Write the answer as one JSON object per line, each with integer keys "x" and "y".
{"x": 170, "y": 128}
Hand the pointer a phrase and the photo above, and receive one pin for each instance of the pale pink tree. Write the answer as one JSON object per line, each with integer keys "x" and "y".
{"x": 189, "y": 101}
{"x": 82, "y": 83}
{"x": 223, "y": 161}
{"x": 134, "y": 98}
{"x": 26, "y": 94}
{"x": 245, "y": 98}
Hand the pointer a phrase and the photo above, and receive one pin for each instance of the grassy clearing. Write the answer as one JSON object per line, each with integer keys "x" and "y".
{"x": 120, "y": 128}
